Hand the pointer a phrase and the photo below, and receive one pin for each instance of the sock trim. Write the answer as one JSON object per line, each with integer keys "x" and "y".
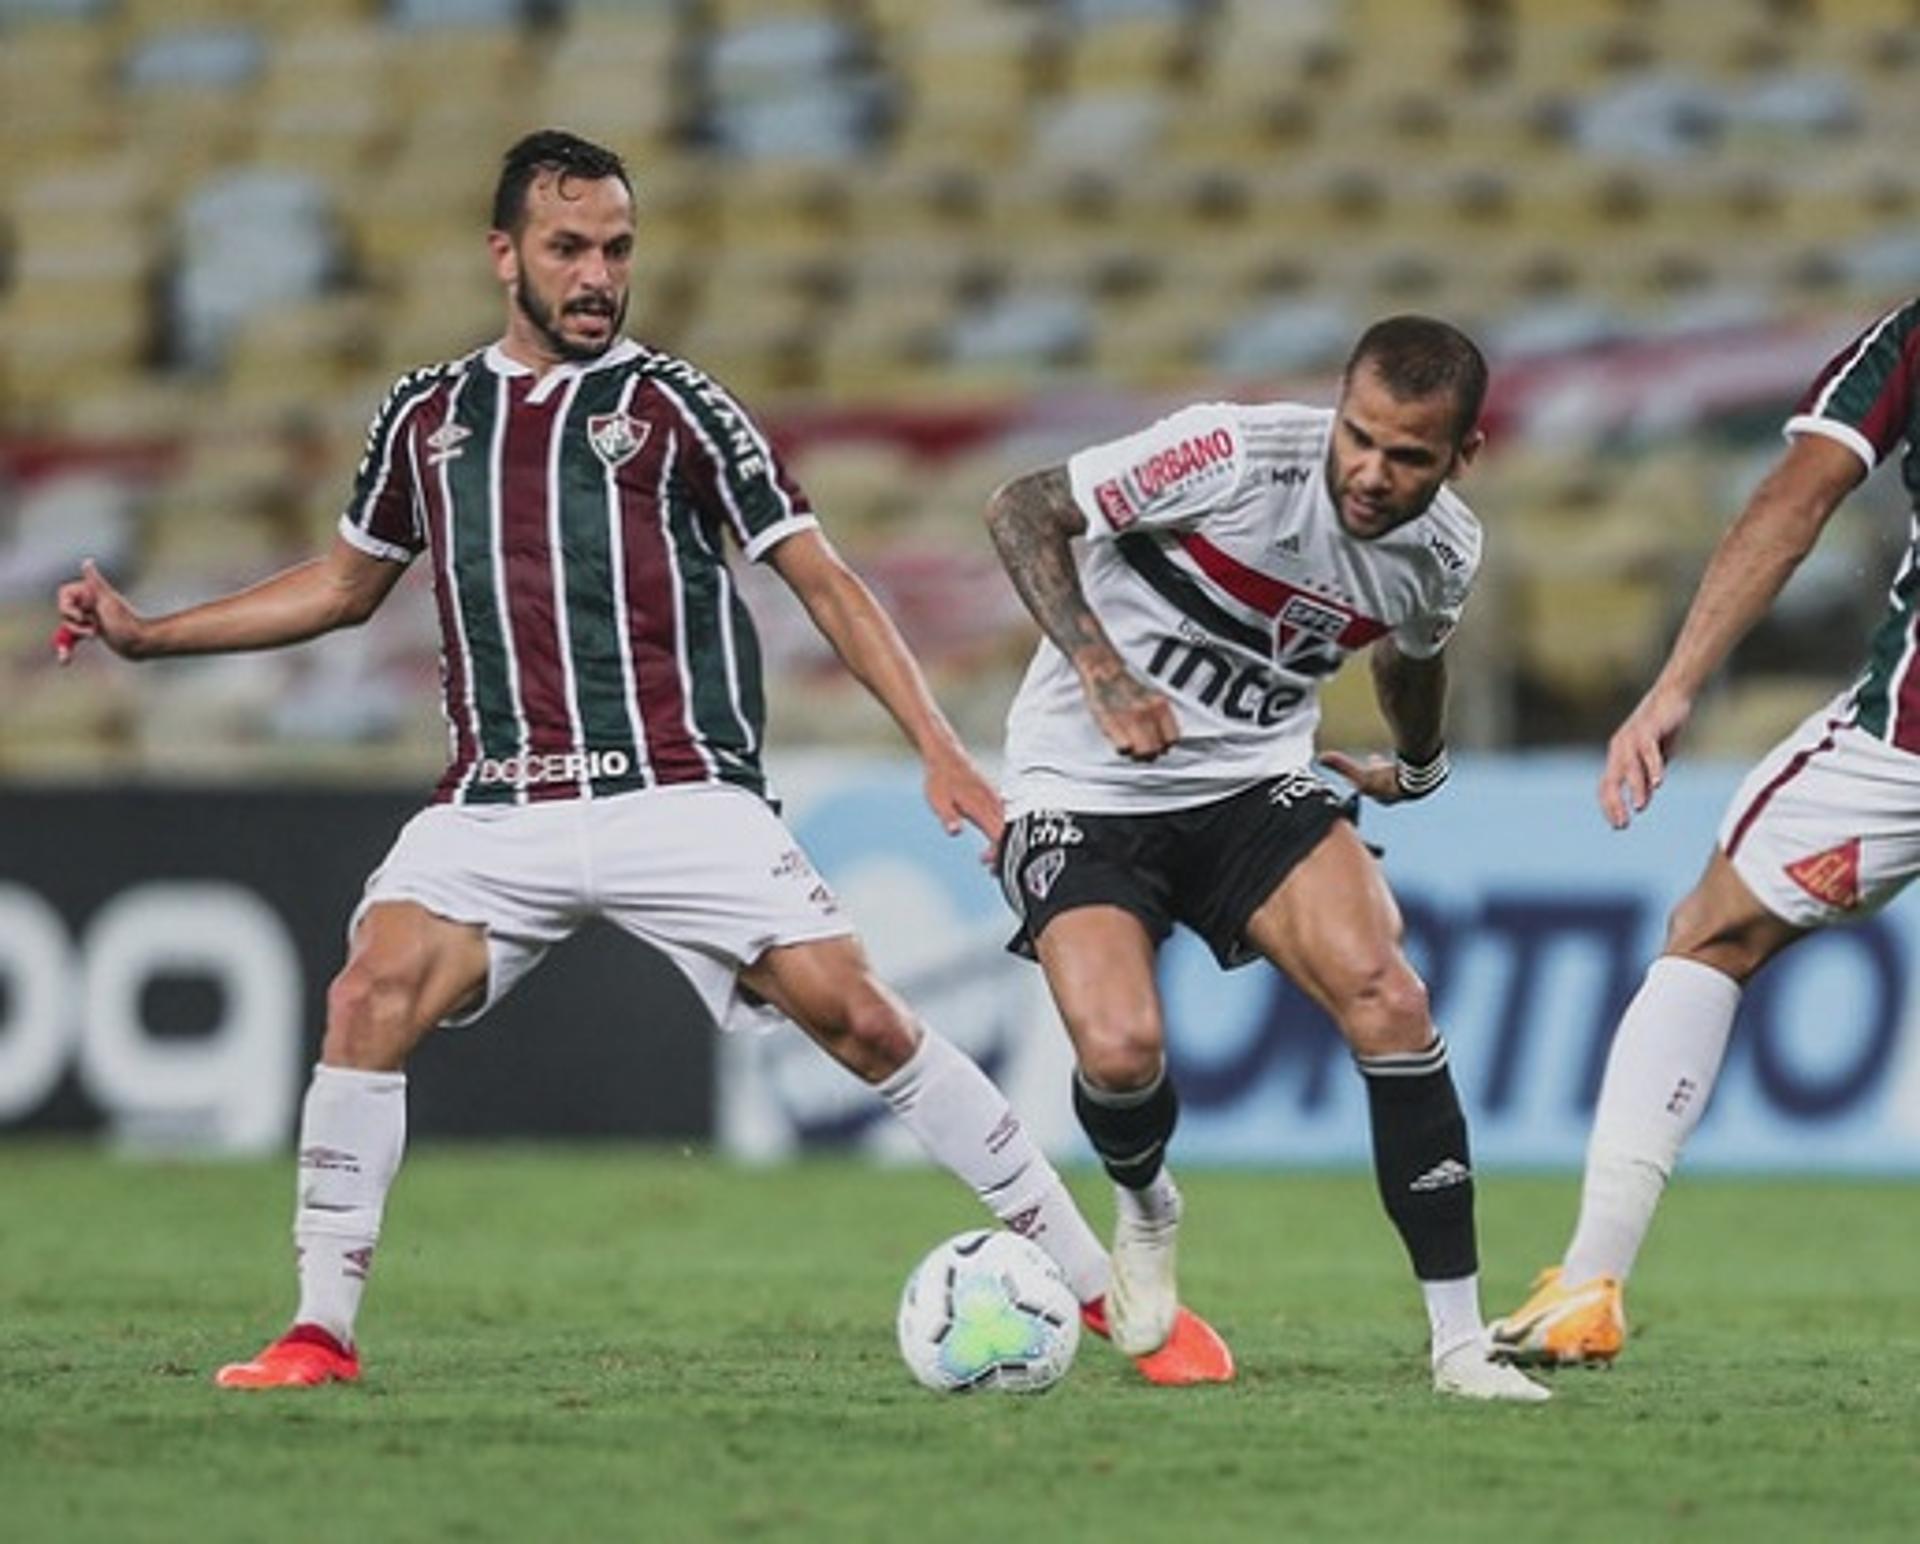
{"x": 1119, "y": 1098}
{"x": 1405, "y": 1064}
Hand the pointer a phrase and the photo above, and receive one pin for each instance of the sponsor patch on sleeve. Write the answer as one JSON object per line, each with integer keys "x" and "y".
{"x": 1196, "y": 461}
{"x": 1111, "y": 496}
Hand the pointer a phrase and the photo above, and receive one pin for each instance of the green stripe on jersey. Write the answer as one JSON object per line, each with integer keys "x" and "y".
{"x": 470, "y": 481}
{"x": 706, "y": 592}
{"x": 595, "y": 586}
{"x": 741, "y": 466}
{"x": 747, "y": 669}
{"x": 1865, "y": 381}
{"x": 1873, "y": 698}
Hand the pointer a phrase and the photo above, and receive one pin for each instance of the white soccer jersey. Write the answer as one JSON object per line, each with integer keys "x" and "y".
{"x": 1216, "y": 560}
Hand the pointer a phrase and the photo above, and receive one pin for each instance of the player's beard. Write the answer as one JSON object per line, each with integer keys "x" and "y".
{"x": 1386, "y": 517}
{"x": 540, "y": 315}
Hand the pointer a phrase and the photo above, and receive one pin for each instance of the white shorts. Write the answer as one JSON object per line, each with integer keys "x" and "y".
{"x": 705, "y": 872}
{"x": 1827, "y": 826}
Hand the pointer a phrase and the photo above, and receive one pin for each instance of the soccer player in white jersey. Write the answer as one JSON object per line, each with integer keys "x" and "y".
{"x": 575, "y": 493}
{"x": 1196, "y": 582}
{"x": 1825, "y": 829}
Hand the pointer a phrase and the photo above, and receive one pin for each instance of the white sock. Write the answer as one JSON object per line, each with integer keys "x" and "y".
{"x": 1660, "y": 1073}
{"x": 966, "y": 1125}
{"x": 1157, "y": 1200}
{"x": 1453, "y": 1312}
{"x": 353, "y": 1128}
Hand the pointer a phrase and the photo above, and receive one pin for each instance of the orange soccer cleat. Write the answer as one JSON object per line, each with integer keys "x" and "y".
{"x": 1564, "y": 1326}
{"x": 302, "y": 1358}
{"x": 1194, "y": 1352}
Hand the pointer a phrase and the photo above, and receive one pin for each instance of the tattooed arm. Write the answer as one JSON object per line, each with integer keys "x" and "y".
{"x": 1033, "y": 520}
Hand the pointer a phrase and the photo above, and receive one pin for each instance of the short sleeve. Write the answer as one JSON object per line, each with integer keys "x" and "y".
{"x": 1866, "y": 394}
{"x": 1424, "y": 635}
{"x": 1453, "y": 553}
{"x": 383, "y": 515}
{"x": 1170, "y": 474}
{"x": 732, "y": 466}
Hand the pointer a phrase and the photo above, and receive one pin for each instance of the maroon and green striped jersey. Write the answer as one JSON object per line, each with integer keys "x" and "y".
{"x": 593, "y": 641}
{"x": 1868, "y": 398}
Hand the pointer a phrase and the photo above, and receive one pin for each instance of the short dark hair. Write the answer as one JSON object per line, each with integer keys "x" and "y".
{"x": 1417, "y": 356}
{"x": 549, "y": 150}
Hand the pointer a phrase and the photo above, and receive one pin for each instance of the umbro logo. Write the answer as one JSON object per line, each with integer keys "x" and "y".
{"x": 445, "y": 443}
{"x": 1444, "y": 1175}
{"x": 1290, "y": 544}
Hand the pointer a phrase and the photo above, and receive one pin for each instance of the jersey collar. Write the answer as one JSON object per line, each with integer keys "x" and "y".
{"x": 623, "y": 352}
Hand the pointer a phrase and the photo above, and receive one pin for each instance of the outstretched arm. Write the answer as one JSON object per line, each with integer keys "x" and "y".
{"x": 1754, "y": 559}
{"x": 1413, "y": 700}
{"x": 1033, "y": 520}
{"x": 340, "y": 589}
{"x": 864, "y": 637}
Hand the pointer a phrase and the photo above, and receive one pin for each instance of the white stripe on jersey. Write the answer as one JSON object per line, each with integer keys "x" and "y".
{"x": 622, "y": 609}
{"x": 556, "y": 550}
{"x": 452, "y": 589}
{"x": 497, "y": 539}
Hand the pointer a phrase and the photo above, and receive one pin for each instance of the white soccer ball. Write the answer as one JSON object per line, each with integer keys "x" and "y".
{"x": 988, "y": 1310}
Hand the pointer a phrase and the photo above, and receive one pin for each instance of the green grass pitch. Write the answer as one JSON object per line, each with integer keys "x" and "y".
{"x": 587, "y": 1344}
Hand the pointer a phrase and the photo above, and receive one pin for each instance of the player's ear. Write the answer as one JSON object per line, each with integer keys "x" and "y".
{"x": 506, "y": 261}
{"x": 1470, "y": 446}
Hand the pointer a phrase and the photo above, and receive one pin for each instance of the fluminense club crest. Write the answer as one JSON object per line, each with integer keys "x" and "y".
{"x": 616, "y": 437}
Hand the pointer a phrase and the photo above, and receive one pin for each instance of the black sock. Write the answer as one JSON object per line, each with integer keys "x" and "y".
{"x": 1129, "y": 1129}
{"x": 1421, "y": 1160}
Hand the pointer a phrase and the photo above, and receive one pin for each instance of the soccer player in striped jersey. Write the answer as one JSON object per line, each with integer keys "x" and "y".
{"x": 1825, "y": 829}
{"x": 1196, "y": 582}
{"x": 574, "y": 494}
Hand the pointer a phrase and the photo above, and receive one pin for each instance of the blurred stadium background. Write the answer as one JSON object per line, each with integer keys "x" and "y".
{"x": 932, "y": 243}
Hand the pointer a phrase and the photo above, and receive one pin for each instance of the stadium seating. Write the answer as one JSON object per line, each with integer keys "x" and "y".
{"x": 1054, "y": 216}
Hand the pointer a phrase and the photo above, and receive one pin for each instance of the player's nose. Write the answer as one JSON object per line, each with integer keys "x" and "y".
{"x": 1370, "y": 473}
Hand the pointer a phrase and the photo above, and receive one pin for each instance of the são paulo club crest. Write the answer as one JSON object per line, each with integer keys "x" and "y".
{"x": 616, "y": 437}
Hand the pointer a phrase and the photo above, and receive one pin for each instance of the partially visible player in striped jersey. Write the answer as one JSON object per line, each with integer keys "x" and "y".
{"x": 1825, "y": 829}
{"x": 574, "y": 493}
{"x": 1196, "y": 582}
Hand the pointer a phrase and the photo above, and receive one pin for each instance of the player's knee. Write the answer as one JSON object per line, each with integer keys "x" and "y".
{"x": 370, "y": 1009}
{"x": 1120, "y": 1046}
{"x": 1385, "y": 1010}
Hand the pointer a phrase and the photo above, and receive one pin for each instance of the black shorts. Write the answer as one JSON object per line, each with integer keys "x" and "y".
{"x": 1210, "y": 866}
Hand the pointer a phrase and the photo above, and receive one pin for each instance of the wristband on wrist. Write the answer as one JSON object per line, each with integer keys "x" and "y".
{"x": 1418, "y": 779}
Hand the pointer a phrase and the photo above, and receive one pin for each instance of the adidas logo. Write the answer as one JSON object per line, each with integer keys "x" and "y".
{"x": 1444, "y": 1175}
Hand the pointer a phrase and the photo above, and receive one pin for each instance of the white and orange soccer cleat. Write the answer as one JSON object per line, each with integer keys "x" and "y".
{"x": 1562, "y": 1325}
{"x": 304, "y": 1357}
{"x": 1193, "y": 1353}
